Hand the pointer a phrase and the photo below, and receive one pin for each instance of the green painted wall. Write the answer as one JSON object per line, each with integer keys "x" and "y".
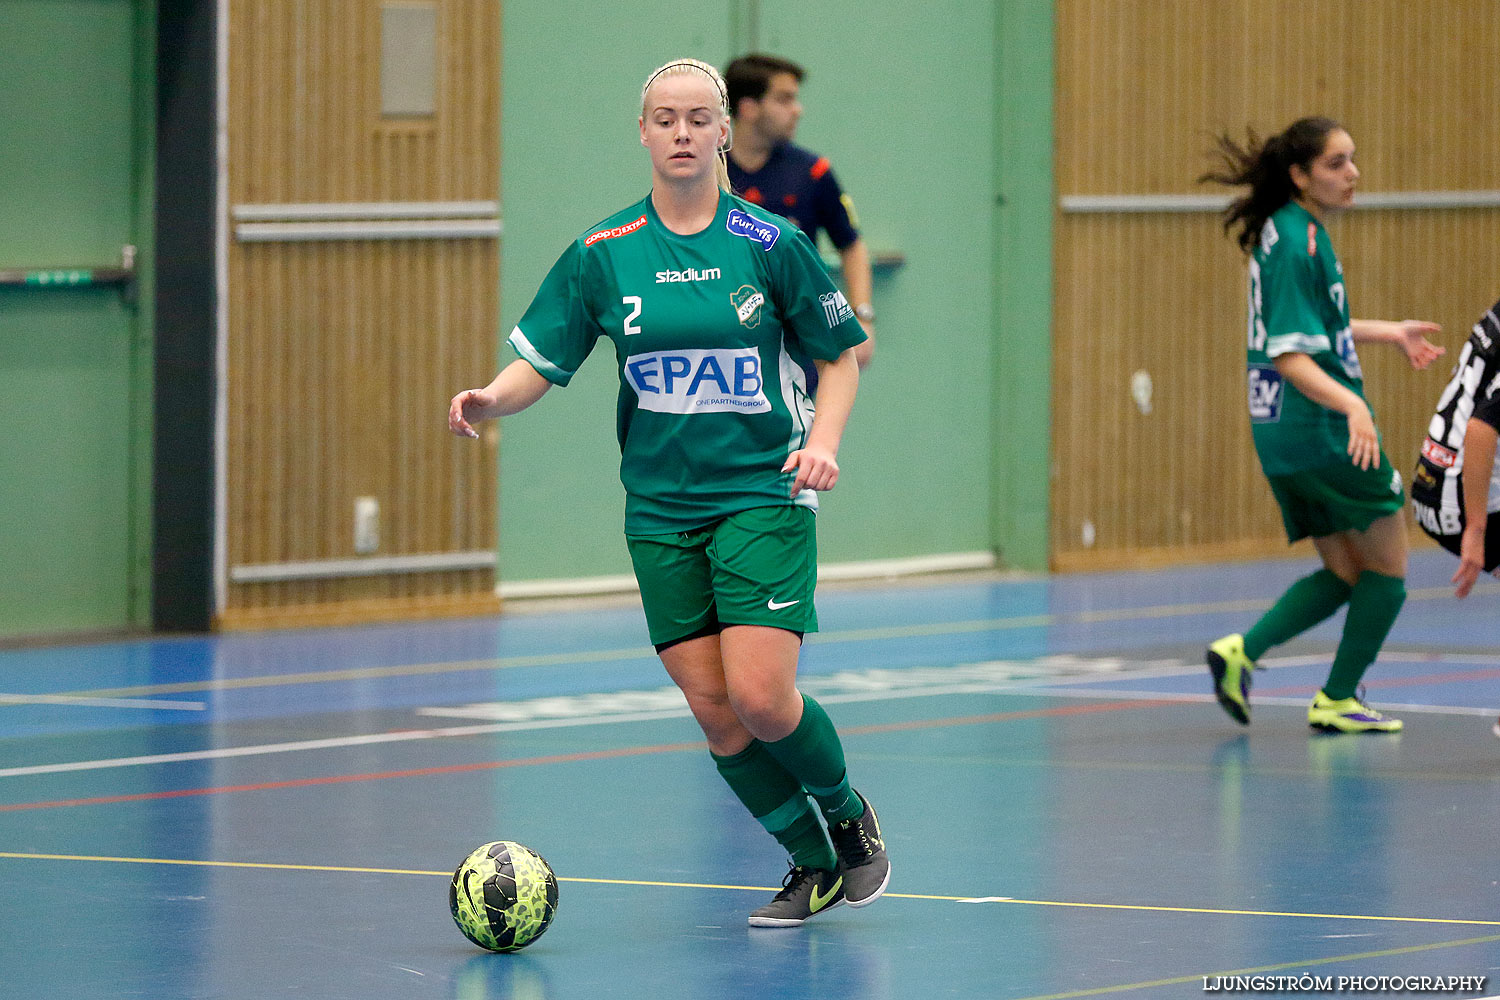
{"x": 914, "y": 106}
{"x": 74, "y": 388}
{"x": 1022, "y": 384}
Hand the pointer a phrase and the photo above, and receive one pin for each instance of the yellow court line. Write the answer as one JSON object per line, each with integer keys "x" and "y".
{"x": 638, "y": 652}
{"x": 1304, "y": 963}
{"x": 761, "y": 888}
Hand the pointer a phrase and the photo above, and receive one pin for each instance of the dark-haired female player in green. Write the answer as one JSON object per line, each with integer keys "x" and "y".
{"x": 1312, "y": 426}
{"x": 716, "y": 309}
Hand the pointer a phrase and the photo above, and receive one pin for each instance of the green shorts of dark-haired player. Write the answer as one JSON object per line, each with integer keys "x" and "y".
{"x": 756, "y": 567}
{"x": 1343, "y": 497}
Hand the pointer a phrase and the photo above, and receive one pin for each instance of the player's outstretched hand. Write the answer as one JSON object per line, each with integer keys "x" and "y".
{"x": 465, "y": 409}
{"x": 1470, "y": 564}
{"x": 1413, "y": 339}
{"x": 815, "y": 467}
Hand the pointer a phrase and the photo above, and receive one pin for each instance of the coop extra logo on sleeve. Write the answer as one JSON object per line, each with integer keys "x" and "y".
{"x": 725, "y": 380}
{"x": 609, "y": 234}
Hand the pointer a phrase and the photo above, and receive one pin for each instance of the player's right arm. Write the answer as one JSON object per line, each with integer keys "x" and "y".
{"x": 516, "y": 387}
{"x": 1479, "y": 464}
{"x": 1322, "y": 388}
{"x": 559, "y": 332}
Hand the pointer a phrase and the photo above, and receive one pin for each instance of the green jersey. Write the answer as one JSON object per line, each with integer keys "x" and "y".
{"x": 1297, "y": 305}
{"x": 715, "y": 335}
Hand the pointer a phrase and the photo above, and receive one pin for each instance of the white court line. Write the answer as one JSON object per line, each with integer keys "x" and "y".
{"x": 66, "y": 699}
{"x": 1045, "y": 686}
{"x": 367, "y": 739}
{"x": 1258, "y": 700}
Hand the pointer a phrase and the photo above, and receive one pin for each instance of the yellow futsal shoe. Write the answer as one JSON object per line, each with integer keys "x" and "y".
{"x": 1231, "y": 669}
{"x": 1348, "y": 715}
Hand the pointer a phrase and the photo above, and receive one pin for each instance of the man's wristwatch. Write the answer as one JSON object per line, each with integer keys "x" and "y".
{"x": 865, "y": 311}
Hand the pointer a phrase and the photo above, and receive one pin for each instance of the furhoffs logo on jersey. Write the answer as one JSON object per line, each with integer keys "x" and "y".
{"x": 721, "y": 380}
{"x": 1265, "y": 394}
{"x": 747, "y": 301}
{"x": 609, "y": 234}
{"x": 752, "y": 228}
{"x": 835, "y": 308}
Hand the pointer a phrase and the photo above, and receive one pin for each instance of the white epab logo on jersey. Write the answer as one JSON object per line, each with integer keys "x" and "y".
{"x": 835, "y": 308}
{"x": 721, "y": 380}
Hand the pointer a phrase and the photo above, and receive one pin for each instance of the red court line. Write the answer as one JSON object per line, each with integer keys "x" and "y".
{"x": 568, "y": 758}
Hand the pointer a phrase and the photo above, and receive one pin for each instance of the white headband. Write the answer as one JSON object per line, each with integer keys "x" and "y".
{"x": 723, "y": 94}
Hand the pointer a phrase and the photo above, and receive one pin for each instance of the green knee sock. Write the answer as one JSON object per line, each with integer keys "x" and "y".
{"x": 815, "y": 757}
{"x": 1373, "y": 607}
{"x": 778, "y": 802}
{"x": 1305, "y": 603}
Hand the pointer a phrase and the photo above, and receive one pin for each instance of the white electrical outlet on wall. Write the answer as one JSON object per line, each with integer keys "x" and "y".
{"x": 366, "y": 525}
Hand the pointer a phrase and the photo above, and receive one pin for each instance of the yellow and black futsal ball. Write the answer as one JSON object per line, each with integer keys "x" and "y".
{"x": 503, "y": 896}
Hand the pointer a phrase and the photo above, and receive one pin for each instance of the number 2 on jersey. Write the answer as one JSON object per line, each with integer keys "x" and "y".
{"x": 635, "y": 312}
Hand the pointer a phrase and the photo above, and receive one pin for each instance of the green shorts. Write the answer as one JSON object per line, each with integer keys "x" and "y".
{"x": 757, "y": 567}
{"x": 1334, "y": 498}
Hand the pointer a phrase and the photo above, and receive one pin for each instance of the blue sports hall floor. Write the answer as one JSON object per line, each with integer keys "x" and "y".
{"x": 1068, "y": 813}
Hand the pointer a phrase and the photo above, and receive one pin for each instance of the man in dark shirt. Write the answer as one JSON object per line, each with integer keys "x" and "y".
{"x": 766, "y": 168}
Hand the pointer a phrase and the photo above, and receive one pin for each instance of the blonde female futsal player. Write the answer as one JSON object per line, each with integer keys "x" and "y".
{"x": 715, "y": 308}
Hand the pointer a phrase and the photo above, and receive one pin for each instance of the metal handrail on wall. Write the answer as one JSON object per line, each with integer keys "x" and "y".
{"x": 121, "y": 276}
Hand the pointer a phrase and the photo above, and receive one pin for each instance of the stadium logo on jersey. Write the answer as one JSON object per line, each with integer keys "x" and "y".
{"x": 747, "y": 301}
{"x": 691, "y": 274}
{"x": 1265, "y": 394}
{"x": 609, "y": 234}
{"x": 1439, "y": 456}
{"x": 835, "y": 308}
{"x": 752, "y": 228}
{"x": 723, "y": 380}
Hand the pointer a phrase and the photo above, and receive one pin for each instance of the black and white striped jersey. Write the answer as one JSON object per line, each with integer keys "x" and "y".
{"x": 1472, "y": 392}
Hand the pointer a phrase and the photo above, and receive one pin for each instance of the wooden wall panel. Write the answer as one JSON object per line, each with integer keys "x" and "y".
{"x": 342, "y": 355}
{"x": 1142, "y": 87}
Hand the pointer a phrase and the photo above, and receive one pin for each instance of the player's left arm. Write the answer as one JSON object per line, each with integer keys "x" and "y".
{"x": 1479, "y": 464}
{"x": 816, "y": 462}
{"x": 859, "y": 286}
{"x": 835, "y": 210}
{"x": 1408, "y": 334}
